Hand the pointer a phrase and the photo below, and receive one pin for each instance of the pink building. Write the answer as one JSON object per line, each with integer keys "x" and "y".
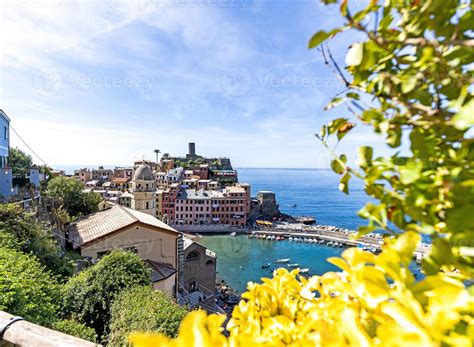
{"x": 169, "y": 203}
{"x": 193, "y": 207}
{"x": 83, "y": 175}
{"x": 228, "y": 206}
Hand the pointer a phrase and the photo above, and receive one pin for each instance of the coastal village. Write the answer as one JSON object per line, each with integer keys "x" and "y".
{"x": 237, "y": 173}
{"x": 151, "y": 208}
{"x": 155, "y": 209}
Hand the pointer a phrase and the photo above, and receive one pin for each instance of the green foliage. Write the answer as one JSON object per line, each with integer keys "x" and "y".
{"x": 19, "y": 161}
{"x": 20, "y": 230}
{"x": 415, "y": 66}
{"x": 70, "y": 192}
{"x": 144, "y": 309}
{"x": 88, "y": 296}
{"x": 26, "y": 288}
{"x": 76, "y": 329}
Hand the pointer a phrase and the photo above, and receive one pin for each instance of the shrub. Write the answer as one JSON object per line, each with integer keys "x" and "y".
{"x": 143, "y": 309}
{"x": 26, "y": 288}
{"x": 88, "y": 296}
{"x": 76, "y": 329}
{"x": 20, "y": 230}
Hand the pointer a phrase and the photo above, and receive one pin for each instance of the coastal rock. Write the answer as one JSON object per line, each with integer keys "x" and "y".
{"x": 265, "y": 207}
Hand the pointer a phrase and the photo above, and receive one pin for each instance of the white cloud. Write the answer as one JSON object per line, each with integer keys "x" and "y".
{"x": 95, "y": 113}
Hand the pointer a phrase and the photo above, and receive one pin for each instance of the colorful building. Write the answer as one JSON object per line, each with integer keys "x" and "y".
{"x": 193, "y": 207}
{"x": 102, "y": 175}
{"x": 83, "y": 175}
{"x": 230, "y": 206}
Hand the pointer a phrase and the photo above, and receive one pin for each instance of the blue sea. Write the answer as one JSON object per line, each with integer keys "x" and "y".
{"x": 299, "y": 192}
{"x": 314, "y": 192}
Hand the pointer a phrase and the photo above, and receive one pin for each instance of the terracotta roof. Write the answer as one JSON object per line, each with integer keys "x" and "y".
{"x": 121, "y": 179}
{"x": 160, "y": 271}
{"x": 102, "y": 223}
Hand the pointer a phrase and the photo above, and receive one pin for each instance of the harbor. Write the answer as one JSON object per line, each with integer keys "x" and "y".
{"x": 329, "y": 235}
{"x": 242, "y": 259}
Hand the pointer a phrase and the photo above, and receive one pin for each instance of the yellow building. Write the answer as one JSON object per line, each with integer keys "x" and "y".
{"x": 144, "y": 190}
{"x": 123, "y": 228}
{"x": 159, "y": 204}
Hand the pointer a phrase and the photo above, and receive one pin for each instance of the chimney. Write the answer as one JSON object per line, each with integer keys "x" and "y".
{"x": 192, "y": 149}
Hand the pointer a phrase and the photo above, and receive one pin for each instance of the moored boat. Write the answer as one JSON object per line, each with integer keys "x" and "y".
{"x": 293, "y": 265}
{"x": 283, "y": 260}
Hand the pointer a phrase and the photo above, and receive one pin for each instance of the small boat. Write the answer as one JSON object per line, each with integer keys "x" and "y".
{"x": 290, "y": 238}
{"x": 304, "y": 271}
{"x": 293, "y": 265}
{"x": 232, "y": 234}
{"x": 284, "y": 260}
{"x": 329, "y": 243}
{"x": 266, "y": 266}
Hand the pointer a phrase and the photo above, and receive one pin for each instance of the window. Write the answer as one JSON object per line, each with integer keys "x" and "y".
{"x": 147, "y": 205}
{"x": 5, "y": 132}
{"x": 193, "y": 255}
{"x": 209, "y": 262}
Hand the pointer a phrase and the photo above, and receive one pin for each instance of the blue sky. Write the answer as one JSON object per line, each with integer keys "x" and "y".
{"x": 106, "y": 82}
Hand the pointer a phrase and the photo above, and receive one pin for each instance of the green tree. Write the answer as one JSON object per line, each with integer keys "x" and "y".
{"x": 27, "y": 289}
{"x": 414, "y": 64}
{"x": 21, "y": 231}
{"x": 88, "y": 296}
{"x": 70, "y": 193}
{"x": 143, "y": 309}
{"x": 74, "y": 328}
{"x": 19, "y": 161}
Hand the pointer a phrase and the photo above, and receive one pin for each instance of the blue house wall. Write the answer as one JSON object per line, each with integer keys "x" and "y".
{"x": 5, "y": 172}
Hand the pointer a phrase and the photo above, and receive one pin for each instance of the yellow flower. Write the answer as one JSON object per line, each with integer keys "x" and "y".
{"x": 374, "y": 301}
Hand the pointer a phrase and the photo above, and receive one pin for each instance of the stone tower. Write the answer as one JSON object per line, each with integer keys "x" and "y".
{"x": 144, "y": 190}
